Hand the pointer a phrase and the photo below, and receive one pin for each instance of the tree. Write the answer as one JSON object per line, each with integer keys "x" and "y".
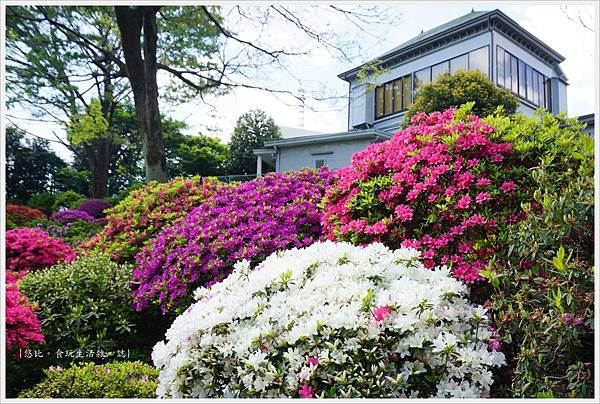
{"x": 251, "y": 131}
{"x": 453, "y": 90}
{"x": 53, "y": 69}
{"x": 30, "y": 166}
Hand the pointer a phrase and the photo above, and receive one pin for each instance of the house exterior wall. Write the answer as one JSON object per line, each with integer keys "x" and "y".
{"x": 336, "y": 154}
{"x": 362, "y": 102}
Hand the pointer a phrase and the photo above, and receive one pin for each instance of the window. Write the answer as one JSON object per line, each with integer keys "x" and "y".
{"x": 439, "y": 69}
{"x": 500, "y": 66}
{"x": 379, "y": 102}
{"x": 459, "y": 63}
{"x": 522, "y": 80}
{"x": 319, "y": 163}
{"x": 393, "y": 96}
{"x": 548, "y": 95}
{"x": 478, "y": 60}
{"x": 422, "y": 77}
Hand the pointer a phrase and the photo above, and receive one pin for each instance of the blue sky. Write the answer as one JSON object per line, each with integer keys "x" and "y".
{"x": 549, "y": 22}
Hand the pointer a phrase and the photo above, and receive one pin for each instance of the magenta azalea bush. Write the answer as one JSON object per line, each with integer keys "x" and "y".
{"x": 69, "y": 216}
{"x": 30, "y": 249}
{"x": 22, "y": 324}
{"x": 94, "y": 207}
{"x": 247, "y": 221}
{"x": 440, "y": 185}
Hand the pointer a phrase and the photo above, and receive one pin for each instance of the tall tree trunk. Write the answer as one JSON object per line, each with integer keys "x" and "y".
{"x": 132, "y": 21}
{"x": 98, "y": 157}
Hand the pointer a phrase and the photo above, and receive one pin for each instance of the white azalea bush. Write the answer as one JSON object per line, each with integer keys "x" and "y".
{"x": 330, "y": 320}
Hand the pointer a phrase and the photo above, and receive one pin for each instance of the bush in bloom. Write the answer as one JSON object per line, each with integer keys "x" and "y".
{"x": 247, "y": 221}
{"x": 33, "y": 249}
{"x": 330, "y": 320}
{"x": 135, "y": 221}
{"x": 22, "y": 216}
{"x": 22, "y": 325}
{"x": 94, "y": 207}
{"x": 440, "y": 186}
{"x": 69, "y": 216}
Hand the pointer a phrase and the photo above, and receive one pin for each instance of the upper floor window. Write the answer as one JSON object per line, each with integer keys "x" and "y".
{"x": 393, "y": 96}
{"x": 521, "y": 79}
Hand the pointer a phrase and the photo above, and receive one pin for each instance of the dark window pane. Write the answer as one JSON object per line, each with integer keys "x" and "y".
{"x": 514, "y": 74}
{"x": 500, "y": 65}
{"x": 542, "y": 102}
{"x": 548, "y": 95}
{"x": 529, "y": 71}
{"x": 406, "y": 100}
{"x": 507, "y": 78}
{"x": 398, "y": 95}
{"x": 438, "y": 70}
{"x": 459, "y": 63}
{"x": 422, "y": 77}
{"x": 478, "y": 60}
{"x": 536, "y": 88}
{"x": 379, "y": 102}
{"x": 389, "y": 96}
{"x": 522, "y": 80}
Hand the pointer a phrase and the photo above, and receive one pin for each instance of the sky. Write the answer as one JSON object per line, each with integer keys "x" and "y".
{"x": 556, "y": 24}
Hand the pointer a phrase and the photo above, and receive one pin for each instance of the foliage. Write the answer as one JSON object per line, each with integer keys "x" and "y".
{"x": 30, "y": 167}
{"x": 94, "y": 207}
{"x": 246, "y": 221}
{"x": 22, "y": 216}
{"x": 543, "y": 298}
{"x": 67, "y": 199}
{"x": 251, "y": 131}
{"x": 73, "y": 178}
{"x": 111, "y": 380}
{"x": 43, "y": 201}
{"x": 74, "y": 232}
{"x": 83, "y": 304}
{"x": 194, "y": 155}
{"x": 32, "y": 249}
{"x": 454, "y": 90}
{"x": 440, "y": 185}
{"x": 22, "y": 325}
{"x": 69, "y": 215}
{"x": 141, "y": 215}
{"x": 330, "y": 320}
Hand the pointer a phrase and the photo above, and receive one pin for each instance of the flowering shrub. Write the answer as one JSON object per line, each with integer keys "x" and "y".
{"x": 542, "y": 297}
{"x": 22, "y": 216}
{"x": 68, "y": 216}
{"x": 111, "y": 380}
{"x": 94, "y": 207}
{"x": 247, "y": 221}
{"x": 22, "y": 325}
{"x": 330, "y": 320}
{"x": 73, "y": 233}
{"x": 440, "y": 185}
{"x": 32, "y": 249}
{"x": 84, "y": 303}
{"x": 136, "y": 220}
{"x": 67, "y": 199}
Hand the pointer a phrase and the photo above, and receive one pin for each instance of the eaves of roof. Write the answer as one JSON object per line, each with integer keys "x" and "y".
{"x": 329, "y": 137}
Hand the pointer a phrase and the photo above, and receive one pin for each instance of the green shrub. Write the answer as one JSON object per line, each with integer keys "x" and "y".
{"x": 542, "y": 298}
{"x": 454, "y": 90}
{"x": 43, "y": 201}
{"x": 112, "y": 380}
{"x": 83, "y": 304}
{"x": 73, "y": 233}
{"x": 68, "y": 199}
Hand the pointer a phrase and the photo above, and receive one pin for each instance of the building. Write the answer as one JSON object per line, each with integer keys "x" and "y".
{"x": 488, "y": 41}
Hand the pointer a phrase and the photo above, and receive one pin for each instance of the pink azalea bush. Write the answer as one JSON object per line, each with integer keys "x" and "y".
{"x": 247, "y": 221}
{"x": 30, "y": 249}
{"x": 22, "y": 325}
{"x": 440, "y": 185}
{"x": 132, "y": 223}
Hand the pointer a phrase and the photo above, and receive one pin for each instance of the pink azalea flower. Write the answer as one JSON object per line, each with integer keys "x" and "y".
{"x": 482, "y": 197}
{"x": 381, "y": 313}
{"x": 404, "y": 213}
{"x": 307, "y": 391}
{"x": 313, "y": 360}
{"x": 483, "y": 182}
{"x": 508, "y": 186}
{"x": 463, "y": 203}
